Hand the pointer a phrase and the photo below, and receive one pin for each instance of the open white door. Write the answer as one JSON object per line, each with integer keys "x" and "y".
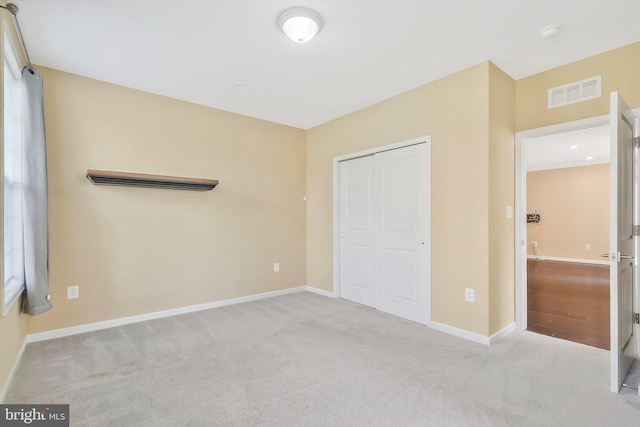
{"x": 622, "y": 252}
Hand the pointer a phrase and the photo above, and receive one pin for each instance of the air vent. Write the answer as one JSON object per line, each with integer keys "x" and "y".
{"x": 575, "y": 92}
{"x": 99, "y": 177}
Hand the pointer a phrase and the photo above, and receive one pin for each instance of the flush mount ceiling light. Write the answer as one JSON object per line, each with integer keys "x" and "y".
{"x": 300, "y": 24}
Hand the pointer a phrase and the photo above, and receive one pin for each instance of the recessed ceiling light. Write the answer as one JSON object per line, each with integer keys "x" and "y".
{"x": 589, "y": 157}
{"x": 300, "y": 24}
{"x": 549, "y": 31}
{"x": 573, "y": 147}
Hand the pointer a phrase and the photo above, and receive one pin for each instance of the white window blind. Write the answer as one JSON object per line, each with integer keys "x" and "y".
{"x": 12, "y": 128}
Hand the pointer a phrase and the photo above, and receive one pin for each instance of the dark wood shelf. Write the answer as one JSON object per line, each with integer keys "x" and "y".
{"x": 100, "y": 177}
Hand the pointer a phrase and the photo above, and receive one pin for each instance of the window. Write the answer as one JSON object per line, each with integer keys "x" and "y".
{"x": 13, "y": 247}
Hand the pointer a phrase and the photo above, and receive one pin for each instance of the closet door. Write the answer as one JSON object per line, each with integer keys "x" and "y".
{"x": 400, "y": 218}
{"x": 384, "y": 231}
{"x": 356, "y": 230}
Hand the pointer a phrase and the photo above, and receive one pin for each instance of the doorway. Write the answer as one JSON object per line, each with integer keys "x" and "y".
{"x": 567, "y": 194}
{"x": 624, "y": 213}
{"x": 522, "y": 247}
{"x": 383, "y": 229}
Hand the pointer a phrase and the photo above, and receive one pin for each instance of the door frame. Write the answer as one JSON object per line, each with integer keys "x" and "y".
{"x": 336, "y": 209}
{"x": 520, "y": 243}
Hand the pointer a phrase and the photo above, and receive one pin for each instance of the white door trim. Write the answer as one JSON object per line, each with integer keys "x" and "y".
{"x": 521, "y": 202}
{"x": 336, "y": 206}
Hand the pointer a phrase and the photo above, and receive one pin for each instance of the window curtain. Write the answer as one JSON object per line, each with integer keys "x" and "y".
{"x": 34, "y": 196}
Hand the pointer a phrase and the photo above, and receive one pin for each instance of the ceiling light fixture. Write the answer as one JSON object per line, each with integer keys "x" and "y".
{"x": 573, "y": 147}
{"x": 589, "y": 158}
{"x": 549, "y": 31}
{"x": 300, "y": 24}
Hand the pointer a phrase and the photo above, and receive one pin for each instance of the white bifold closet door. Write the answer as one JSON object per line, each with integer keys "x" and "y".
{"x": 384, "y": 235}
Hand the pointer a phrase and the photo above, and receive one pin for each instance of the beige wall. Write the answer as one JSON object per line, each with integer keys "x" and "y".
{"x": 133, "y": 251}
{"x": 455, "y": 112}
{"x": 619, "y": 71}
{"x": 12, "y": 332}
{"x": 501, "y": 194}
{"x": 574, "y": 207}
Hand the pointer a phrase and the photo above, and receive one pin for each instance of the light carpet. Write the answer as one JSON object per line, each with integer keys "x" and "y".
{"x": 306, "y": 360}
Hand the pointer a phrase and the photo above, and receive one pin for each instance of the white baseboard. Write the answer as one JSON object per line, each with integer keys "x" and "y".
{"x": 12, "y": 372}
{"x": 576, "y": 260}
{"x": 89, "y": 327}
{"x": 502, "y": 333}
{"x": 322, "y": 292}
{"x": 460, "y": 333}
{"x": 472, "y": 336}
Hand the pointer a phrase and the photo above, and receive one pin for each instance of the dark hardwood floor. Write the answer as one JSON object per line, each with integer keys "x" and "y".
{"x": 569, "y": 300}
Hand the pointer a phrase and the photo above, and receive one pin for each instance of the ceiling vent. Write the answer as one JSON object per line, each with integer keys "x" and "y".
{"x": 575, "y": 92}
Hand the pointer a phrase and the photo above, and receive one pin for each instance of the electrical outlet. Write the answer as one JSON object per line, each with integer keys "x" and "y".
{"x": 587, "y": 246}
{"x": 534, "y": 243}
{"x": 509, "y": 212}
{"x": 276, "y": 267}
{"x": 469, "y": 295}
{"x": 73, "y": 292}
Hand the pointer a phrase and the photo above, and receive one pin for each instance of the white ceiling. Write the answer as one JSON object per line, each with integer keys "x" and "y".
{"x": 568, "y": 149}
{"x": 229, "y": 54}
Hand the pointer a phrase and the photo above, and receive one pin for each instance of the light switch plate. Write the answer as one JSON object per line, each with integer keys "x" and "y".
{"x": 469, "y": 295}
{"x": 73, "y": 292}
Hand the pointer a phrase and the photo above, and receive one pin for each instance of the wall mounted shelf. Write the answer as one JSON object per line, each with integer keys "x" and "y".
{"x": 100, "y": 177}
